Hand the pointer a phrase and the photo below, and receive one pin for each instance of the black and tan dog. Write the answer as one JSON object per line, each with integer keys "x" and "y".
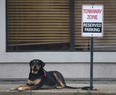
{"x": 39, "y": 78}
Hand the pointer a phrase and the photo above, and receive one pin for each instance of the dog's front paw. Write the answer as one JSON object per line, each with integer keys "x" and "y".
{"x": 20, "y": 89}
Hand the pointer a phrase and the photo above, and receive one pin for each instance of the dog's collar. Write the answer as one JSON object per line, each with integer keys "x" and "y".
{"x": 44, "y": 73}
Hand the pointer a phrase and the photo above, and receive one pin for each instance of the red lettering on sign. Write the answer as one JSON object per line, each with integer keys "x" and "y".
{"x": 97, "y": 11}
{"x": 92, "y": 17}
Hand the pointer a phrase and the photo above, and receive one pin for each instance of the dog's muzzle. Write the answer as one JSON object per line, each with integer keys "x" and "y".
{"x": 35, "y": 70}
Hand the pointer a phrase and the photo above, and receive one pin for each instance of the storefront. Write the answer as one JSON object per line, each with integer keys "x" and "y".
{"x": 51, "y": 31}
{"x": 51, "y": 25}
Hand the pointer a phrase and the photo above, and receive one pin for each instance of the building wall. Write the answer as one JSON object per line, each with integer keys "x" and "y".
{"x": 74, "y": 62}
{"x": 69, "y": 70}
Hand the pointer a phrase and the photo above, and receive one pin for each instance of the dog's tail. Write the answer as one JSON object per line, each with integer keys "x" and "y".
{"x": 82, "y": 88}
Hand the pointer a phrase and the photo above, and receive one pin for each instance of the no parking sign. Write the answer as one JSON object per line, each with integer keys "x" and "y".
{"x": 92, "y": 20}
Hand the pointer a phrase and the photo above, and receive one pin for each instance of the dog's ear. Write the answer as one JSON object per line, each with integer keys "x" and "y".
{"x": 42, "y": 63}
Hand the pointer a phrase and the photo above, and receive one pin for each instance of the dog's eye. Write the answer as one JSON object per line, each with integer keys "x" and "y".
{"x": 36, "y": 62}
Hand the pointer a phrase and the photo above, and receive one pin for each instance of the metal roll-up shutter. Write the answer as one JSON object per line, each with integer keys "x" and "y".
{"x": 108, "y": 41}
{"x": 35, "y": 22}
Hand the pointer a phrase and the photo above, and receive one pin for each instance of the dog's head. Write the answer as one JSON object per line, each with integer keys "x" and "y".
{"x": 36, "y": 65}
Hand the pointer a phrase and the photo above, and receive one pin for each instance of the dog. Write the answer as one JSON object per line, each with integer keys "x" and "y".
{"x": 39, "y": 78}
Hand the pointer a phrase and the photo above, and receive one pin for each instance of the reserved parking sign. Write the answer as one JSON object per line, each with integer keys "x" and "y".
{"x": 92, "y": 20}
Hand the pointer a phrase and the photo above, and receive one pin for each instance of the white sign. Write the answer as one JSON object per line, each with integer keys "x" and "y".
{"x": 92, "y": 20}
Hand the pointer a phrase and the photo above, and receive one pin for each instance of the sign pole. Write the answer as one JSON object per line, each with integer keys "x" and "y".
{"x": 91, "y": 64}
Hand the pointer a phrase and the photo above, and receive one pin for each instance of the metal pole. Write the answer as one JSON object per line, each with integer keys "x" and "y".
{"x": 91, "y": 65}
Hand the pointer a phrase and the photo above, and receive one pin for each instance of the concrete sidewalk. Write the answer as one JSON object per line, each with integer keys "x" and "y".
{"x": 102, "y": 89}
